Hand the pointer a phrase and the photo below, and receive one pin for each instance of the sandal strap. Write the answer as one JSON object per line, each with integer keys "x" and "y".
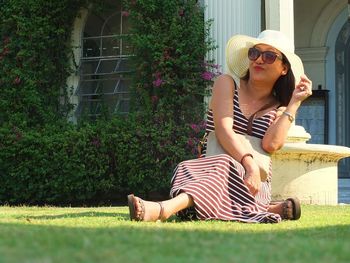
{"x": 142, "y": 215}
{"x": 161, "y": 212}
{"x": 285, "y": 209}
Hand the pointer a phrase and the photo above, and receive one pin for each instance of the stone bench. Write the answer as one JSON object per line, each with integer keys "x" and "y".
{"x": 307, "y": 171}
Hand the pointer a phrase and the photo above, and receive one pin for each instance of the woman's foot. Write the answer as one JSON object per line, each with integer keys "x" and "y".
{"x": 141, "y": 210}
{"x": 288, "y": 209}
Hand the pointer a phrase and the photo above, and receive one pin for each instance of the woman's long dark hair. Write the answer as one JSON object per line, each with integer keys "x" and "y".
{"x": 284, "y": 86}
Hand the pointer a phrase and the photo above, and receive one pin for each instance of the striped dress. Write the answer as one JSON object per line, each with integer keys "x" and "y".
{"x": 216, "y": 183}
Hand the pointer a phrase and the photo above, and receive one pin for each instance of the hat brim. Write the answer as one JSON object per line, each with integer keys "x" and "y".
{"x": 237, "y": 56}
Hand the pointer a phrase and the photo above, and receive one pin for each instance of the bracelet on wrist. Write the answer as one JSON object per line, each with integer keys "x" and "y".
{"x": 246, "y": 155}
{"x": 291, "y": 118}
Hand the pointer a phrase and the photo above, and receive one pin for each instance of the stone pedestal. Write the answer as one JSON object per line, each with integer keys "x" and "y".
{"x": 307, "y": 171}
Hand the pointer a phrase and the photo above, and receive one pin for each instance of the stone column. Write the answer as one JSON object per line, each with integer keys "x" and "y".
{"x": 231, "y": 18}
{"x": 280, "y": 16}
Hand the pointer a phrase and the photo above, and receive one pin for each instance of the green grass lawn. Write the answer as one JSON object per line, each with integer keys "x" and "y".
{"x": 51, "y": 234}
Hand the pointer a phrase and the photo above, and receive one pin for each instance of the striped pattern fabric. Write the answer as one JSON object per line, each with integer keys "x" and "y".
{"x": 216, "y": 182}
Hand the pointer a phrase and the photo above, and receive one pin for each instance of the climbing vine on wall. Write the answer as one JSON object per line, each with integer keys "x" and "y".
{"x": 171, "y": 41}
{"x": 35, "y": 52}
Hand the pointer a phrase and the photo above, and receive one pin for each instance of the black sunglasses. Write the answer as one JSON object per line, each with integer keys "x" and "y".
{"x": 267, "y": 56}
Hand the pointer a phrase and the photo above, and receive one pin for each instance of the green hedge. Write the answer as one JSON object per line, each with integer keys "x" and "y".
{"x": 91, "y": 164}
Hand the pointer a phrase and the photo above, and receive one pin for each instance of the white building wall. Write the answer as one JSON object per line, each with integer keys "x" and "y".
{"x": 280, "y": 16}
{"x": 231, "y": 17}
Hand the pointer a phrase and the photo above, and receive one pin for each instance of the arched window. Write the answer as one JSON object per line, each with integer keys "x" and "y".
{"x": 104, "y": 67}
{"x": 342, "y": 67}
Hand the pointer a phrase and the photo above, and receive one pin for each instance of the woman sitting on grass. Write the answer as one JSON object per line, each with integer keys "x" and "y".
{"x": 264, "y": 73}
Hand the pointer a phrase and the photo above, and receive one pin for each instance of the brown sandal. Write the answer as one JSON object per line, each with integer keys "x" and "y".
{"x": 295, "y": 206}
{"x": 161, "y": 212}
{"x": 132, "y": 209}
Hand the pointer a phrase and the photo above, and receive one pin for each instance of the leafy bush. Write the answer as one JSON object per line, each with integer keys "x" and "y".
{"x": 46, "y": 160}
{"x": 91, "y": 164}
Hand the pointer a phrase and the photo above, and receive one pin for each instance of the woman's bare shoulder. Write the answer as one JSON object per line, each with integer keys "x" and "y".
{"x": 224, "y": 83}
{"x": 224, "y": 78}
{"x": 223, "y": 91}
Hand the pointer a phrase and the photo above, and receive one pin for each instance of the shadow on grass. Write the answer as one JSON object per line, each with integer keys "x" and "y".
{"x": 76, "y": 215}
{"x": 172, "y": 242}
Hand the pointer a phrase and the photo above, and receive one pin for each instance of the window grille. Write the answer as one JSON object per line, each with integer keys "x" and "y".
{"x": 104, "y": 64}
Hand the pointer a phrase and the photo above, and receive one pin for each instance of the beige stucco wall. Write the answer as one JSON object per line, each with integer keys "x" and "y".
{"x": 306, "y": 14}
{"x": 312, "y": 22}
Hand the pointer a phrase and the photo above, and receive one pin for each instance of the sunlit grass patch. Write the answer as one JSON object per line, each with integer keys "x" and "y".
{"x": 105, "y": 234}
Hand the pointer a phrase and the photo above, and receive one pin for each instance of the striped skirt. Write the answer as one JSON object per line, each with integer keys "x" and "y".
{"x": 216, "y": 185}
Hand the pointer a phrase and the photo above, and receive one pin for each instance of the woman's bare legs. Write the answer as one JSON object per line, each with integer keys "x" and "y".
{"x": 183, "y": 200}
{"x": 170, "y": 207}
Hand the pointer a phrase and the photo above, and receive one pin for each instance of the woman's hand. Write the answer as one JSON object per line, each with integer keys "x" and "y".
{"x": 252, "y": 176}
{"x": 302, "y": 90}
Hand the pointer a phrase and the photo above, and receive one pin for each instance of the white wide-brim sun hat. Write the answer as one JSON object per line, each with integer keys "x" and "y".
{"x": 237, "y": 52}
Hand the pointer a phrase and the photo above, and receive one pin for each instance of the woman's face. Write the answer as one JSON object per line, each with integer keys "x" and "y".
{"x": 265, "y": 63}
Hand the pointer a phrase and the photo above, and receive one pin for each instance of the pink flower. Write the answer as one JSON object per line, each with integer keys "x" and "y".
{"x": 125, "y": 13}
{"x": 203, "y": 124}
{"x": 158, "y": 82}
{"x": 157, "y": 75}
{"x": 17, "y": 80}
{"x": 6, "y": 40}
{"x": 18, "y": 133}
{"x": 18, "y": 136}
{"x": 190, "y": 143}
{"x": 96, "y": 142}
{"x": 182, "y": 12}
{"x": 166, "y": 55}
{"x": 207, "y": 75}
{"x": 195, "y": 127}
{"x": 5, "y": 51}
{"x": 154, "y": 99}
